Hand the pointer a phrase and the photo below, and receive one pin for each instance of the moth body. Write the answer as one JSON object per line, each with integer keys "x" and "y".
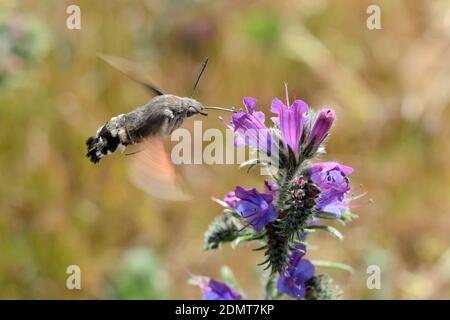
{"x": 160, "y": 116}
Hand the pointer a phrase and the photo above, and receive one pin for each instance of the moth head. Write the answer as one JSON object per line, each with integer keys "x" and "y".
{"x": 193, "y": 107}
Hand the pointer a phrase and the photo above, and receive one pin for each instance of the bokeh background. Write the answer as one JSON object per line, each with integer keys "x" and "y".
{"x": 390, "y": 88}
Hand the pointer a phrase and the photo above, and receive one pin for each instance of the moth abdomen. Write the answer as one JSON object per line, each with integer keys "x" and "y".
{"x": 108, "y": 137}
{"x": 101, "y": 144}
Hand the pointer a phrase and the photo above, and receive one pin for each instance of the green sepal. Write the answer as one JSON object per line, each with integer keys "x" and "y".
{"x": 252, "y": 163}
{"x": 325, "y": 215}
{"x": 331, "y": 230}
{"x": 332, "y": 265}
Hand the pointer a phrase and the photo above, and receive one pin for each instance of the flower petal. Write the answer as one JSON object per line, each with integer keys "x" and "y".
{"x": 250, "y": 104}
{"x": 277, "y": 106}
{"x": 216, "y": 290}
{"x": 290, "y": 121}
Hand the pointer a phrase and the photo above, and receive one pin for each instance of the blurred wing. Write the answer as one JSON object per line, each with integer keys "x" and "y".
{"x": 132, "y": 70}
{"x": 152, "y": 170}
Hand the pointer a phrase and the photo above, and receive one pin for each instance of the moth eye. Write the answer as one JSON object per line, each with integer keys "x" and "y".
{"x": 190, "y": 112}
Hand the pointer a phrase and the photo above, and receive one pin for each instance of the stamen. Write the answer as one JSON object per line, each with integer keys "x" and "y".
{"x": 287, "y": 94}
{"x": 355, "y": 197}
{"x": 251, "y": 214}
{"x": 219, "y": 201}
{"x": 244, "y": 227}
{"x": 353, "y": 206}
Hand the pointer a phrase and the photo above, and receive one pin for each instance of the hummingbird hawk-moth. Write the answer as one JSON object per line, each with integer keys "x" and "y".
{"x": 145, "y": 126}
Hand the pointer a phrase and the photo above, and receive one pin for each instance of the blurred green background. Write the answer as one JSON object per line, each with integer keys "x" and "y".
{"x": 390, "y": 89}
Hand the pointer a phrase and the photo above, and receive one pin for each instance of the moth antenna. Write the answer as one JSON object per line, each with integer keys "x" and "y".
{"x": 202, "y": 69}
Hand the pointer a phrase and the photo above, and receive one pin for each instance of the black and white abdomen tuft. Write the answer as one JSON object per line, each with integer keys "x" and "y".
{"x": 107, "y": 139}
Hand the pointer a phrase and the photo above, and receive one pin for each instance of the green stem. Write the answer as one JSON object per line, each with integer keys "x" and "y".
{"x": 270, "y": 287}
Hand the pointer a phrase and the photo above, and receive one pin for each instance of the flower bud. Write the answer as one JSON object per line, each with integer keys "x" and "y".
{"x": 299, "y": 182}
{"x": 221, "y": 230}
{"x": 312, "y": 190}
{"x": 321, "y": 287}
{"x": 299, "y": 194}
{"x": 319, "y": 131}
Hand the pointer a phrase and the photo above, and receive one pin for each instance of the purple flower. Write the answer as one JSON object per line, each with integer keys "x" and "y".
{"x": 230, "y": 199}
{"x": 250, "y": 128}
{"x": 292, "y": 281}
{"x": 331, "y": 178}
{"x": 255, "y": 207}
{"x": 216, "y": 290}
{"x": 320, "y": 129}
{"x": 290, "y": 121}
{"x": 270, "y": 187}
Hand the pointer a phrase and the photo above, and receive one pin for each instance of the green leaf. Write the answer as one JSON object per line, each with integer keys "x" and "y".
{"x": 228, "y": 276}
{"x": 331, "y": 230}
{"x": 270, "y": 288}
{"x": 308, "y": 148}
{"x": 333, "y": 265}
{"x": 325, "y": 215}
{"x": 348, "y": 216}
{"x": 252, "y": 163}
{"x": 292, "y": 158}
{"x": 296, "y": 241}
{"x": 264, "y": 247}
{"x": 232, "y": 213}
{"x": 246, "y": 238}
